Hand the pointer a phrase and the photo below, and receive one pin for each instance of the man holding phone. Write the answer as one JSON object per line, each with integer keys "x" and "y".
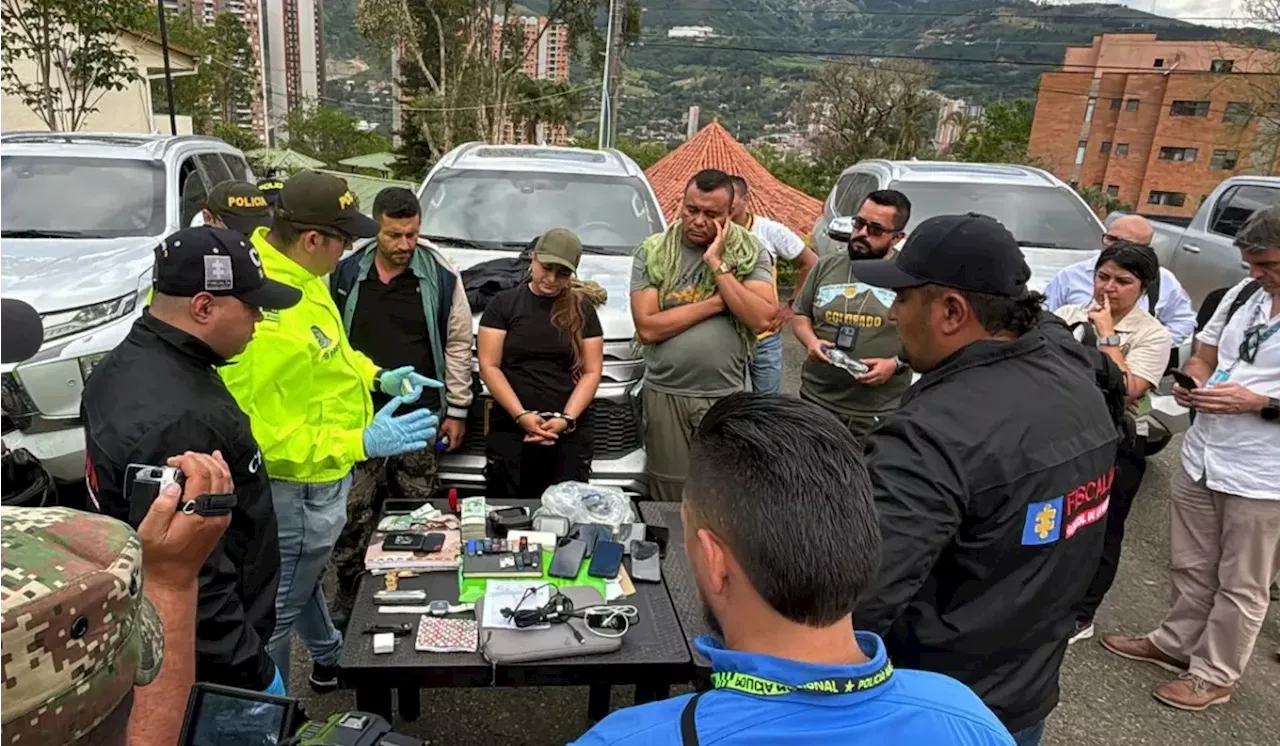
{"x": 158, "y": 393}
{"x": 834, "y": 310}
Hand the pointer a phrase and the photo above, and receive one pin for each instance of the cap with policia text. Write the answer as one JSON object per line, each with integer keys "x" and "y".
{"x": 220, "y": 262}
{"x": 270, "y": 189}
{"x": 240, "y": 206}
{"x": 23, "y": 332}
{"x": 558, "y": 246}
{"x": 967, "y": 252}
{"x": 78, "y": 633}
{"x": 311, "y": 200}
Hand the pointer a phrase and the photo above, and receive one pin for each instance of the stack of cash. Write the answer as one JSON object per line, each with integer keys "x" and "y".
{"x": 474, "y": 518}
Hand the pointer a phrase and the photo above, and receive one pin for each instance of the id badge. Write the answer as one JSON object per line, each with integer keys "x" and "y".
{"x": 846, "y": 337}
{"x": 1219, "y": 376}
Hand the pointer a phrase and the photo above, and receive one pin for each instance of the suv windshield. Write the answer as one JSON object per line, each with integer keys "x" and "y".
{"x": 81, "y": 197}
{"x": 610, "y": 214}
{"x": 1036, "y": 216}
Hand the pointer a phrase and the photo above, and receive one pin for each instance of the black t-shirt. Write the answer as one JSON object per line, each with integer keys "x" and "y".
{"x": 537, "y": 358}
{"x": 389, "y": 327}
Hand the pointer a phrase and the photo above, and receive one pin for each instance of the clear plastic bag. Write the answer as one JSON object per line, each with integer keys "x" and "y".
{"x": 588, "y": 503}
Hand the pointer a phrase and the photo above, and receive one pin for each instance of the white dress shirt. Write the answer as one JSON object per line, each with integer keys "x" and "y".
{"x": 1239, "y": 454}
{"x": 1074, "y": 285}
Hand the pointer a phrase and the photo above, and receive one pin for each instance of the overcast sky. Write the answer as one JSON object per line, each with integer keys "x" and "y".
{"x": 1190, "y": 9}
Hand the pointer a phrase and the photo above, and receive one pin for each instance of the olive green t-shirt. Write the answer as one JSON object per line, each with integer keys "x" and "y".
{"x": 709, "y": 359}
{"x": 832, "y": 297}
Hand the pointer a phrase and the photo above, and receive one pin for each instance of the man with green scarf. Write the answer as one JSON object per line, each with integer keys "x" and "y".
{"x": 402, "y": 304}
{"x": 700, "y": 293}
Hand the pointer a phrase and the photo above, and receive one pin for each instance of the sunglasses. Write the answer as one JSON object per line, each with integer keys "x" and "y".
{"x": 347, "y": 241}
{"x": 1252, "y": 342}
{"x": 875, "y": 230}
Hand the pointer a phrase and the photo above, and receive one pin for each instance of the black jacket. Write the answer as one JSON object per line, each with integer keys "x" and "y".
{"x": 157, "y": 395}
{"x": 991, "y": 482}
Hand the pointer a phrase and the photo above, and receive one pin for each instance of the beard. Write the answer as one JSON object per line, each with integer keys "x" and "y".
{"x": 860, "y": 248}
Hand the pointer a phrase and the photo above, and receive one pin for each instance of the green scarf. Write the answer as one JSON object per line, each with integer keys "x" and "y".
{"x": 662, "y": 263}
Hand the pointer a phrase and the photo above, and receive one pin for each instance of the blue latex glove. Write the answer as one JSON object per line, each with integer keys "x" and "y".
{"x": 392, "y": 383}
{"x": 389, "y": 435}
{"x": 277, "y": 686}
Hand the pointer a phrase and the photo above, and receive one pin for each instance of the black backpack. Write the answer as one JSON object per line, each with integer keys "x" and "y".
{"x": 1107, "y": 375}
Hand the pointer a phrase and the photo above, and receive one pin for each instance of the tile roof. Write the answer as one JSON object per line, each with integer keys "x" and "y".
{"x": 714, "y": 147}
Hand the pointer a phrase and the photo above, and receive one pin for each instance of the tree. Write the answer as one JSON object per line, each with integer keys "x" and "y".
{"x": 234, "y": 77}
{"x": 330, "y": 135}
{"x": 191, "y": 93}
{"x": 999, "y": 135}
{"x": 1102, "y": 203}
{"x": 645, "y": 154}
{"x": 235, "y": 135}
{"x": 813, "y": 177}
{"x": 460, "y": 75}
{"x": 556, "y": 104}
{"x": 865, "y": 109}
{"x": 73, "y": 52}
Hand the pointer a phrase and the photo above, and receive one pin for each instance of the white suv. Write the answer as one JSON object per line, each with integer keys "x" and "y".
{"x": 482, "y": 202}
{"x": 80, "y": 219}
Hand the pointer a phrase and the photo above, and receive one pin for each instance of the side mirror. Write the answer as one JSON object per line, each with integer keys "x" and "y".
{"x": 840, "y": 229}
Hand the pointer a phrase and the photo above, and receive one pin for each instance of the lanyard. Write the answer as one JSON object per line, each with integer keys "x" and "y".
{"x": 748, "y": 684}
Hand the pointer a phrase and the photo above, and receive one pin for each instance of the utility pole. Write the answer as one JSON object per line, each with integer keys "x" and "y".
{"x": 168, "y": 73}
{"x": 615, "y": 69}
{"x": 605, "y": 100}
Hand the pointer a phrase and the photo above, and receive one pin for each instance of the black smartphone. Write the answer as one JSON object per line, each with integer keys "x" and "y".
{"x": 645, "y": 563}
{"x": 432, "y": 543}
{"x": 567, "y": 560}
{"x": 1184, "y": 380}
{"x": 403, "y": 541}
{"x": 590, "y": 534}
{"x": 606, "y": 560}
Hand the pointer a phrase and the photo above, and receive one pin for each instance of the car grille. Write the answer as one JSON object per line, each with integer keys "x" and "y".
{"x": 15, "y": 403}
{"x": 617, "y": 431}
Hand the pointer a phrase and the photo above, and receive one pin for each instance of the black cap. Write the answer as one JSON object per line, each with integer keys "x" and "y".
{"x": 316, "y": 201}
{"x": 240, "y": 206}
{"x": 21, "y": 332}
{"x": 270, "y": 188}
{"x": 220, "y": 262}
{"x": 966, "y": 252}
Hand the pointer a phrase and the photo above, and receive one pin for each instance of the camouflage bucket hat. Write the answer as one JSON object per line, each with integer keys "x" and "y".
{"x": 77, "y": 633}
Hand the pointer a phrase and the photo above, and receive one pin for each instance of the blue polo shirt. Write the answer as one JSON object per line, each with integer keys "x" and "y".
{"x": 910, "y": 707}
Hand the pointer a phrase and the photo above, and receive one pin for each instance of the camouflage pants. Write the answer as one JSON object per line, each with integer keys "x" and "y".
{"x": 411, "y": 476}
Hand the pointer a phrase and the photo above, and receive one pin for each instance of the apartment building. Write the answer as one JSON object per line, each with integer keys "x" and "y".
{"x": 1156, "y": 124}
{"x": 293, "y": 44}
{"x": 252, "y": 117}
{"x": 547, "y": 58}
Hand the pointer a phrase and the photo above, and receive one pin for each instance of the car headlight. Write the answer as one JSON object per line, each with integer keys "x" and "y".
{"x": 66, "y": 323}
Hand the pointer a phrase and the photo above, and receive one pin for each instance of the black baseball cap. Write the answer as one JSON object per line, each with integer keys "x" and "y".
{"x": 967, "y": 252}
{"x": 218, "y": 261}
{"x": 311, "y": 200}
{"x": 270, "y": 188}
{"x": 240, "y": 206}
{"x": 21, "y": 331}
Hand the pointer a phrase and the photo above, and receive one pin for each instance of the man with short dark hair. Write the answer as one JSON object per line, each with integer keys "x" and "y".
{"x": 402, "y": 304}
{"x": 700, "y": 293}
{"x": 307, "y": 394}
{"x": 782, "y": 244}
{"x": 835, "y": 309}
{"x": 781, "y": 537}
{"x": 237, "y": 205}
{"x": 992, "y": 479}
{"x": 157, "y": 394}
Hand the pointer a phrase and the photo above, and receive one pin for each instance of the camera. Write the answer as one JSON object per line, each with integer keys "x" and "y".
{"x": 219, "y": 715}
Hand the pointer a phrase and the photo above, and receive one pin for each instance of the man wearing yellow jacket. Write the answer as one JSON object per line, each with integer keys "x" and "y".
{"x": 307, "y": 394}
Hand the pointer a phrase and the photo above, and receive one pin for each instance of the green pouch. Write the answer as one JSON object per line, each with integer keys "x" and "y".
{"x": 471, "y": 590}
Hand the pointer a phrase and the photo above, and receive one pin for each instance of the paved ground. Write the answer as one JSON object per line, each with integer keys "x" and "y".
{"x": 1106, "y": 701}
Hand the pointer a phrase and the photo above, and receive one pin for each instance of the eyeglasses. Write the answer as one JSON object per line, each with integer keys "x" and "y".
{"x": 1110, "y": 238}
{"x": 347, "y": 241}
{"x": 875, "y": 230}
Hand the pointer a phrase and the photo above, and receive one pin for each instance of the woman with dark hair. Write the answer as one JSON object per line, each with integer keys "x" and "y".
{"x": 541, "y": 353}
{"x": 1139, "y": 345}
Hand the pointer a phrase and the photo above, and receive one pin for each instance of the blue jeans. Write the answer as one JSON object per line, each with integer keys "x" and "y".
{"x": 1029, "y": 736}
{"x": 766, "y": 366}
{"x": 310, "y": 518}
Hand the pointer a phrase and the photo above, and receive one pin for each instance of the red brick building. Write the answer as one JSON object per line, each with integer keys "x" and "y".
{"x": 1156, "y": 124}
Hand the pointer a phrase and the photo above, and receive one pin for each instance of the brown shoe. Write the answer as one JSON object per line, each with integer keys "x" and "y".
{"x": 1142, "y": 649}
{"x": 1190, "y": 692}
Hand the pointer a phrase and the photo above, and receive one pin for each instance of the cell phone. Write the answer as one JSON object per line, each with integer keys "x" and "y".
{"x": 552, "y": 524}
{"x": 432, "y": 543}
{"x": 1184, "y": 380}
{"x": 629, "y": 533}
{"x": 567, "y": 560}
{"x": 607, "y": 560}
{"x": 590, "y": 534}
{"x": 403, "y": 541}
{"x": 144, "y": 483}
{"x": 645, "y": 562}
{"x": 221, "y": 714}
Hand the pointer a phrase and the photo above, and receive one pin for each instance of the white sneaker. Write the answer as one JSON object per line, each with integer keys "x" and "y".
{"x": 1084, "y": 630}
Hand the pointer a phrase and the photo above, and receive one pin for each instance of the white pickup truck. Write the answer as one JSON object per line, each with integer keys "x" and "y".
{"x": 1203, "y": 255}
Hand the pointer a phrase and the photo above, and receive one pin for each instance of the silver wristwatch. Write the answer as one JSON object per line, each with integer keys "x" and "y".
{"x": 1112, "y": 341}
